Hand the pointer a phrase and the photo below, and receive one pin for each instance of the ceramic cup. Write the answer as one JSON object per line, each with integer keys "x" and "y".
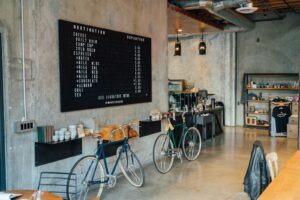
{"x": 61, "y": 133}
{"x": 73, "y": 135}
{"x": 54, "y": 138}
{"x": 73, "y": 130}
{"x": 56, "y": 133}
{"x": 61, "y": 137}
{"x": 63, "y": 129}
{"x": 67, "y": 137}
{"x": 72, "y": 126}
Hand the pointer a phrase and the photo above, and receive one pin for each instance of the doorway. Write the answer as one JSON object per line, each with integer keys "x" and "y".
{"x": 2, "y": 136}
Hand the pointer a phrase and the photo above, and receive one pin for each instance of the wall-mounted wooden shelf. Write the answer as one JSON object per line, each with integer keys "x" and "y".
{"x": 253, "y": 113}
{"x": 259, "y": 101}
{"x": 264, "y": 126}
{"x": 287, "y": 89}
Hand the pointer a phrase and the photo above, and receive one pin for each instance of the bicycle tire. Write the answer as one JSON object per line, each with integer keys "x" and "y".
{"x": 82, "y": 189}
{"x": 136, "y": 175}
{"x": 165, "y": 151}
{"x": 191, "y": 143}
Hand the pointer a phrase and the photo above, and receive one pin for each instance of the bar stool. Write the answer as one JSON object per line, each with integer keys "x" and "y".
{"x": 272, "y": 160}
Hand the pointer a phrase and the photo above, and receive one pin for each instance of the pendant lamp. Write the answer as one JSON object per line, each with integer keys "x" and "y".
{"x": 177, "y": 47}
{"x": 202, "y": 46}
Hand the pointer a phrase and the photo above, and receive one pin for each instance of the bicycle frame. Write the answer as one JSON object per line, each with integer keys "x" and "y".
{"x": 171, "y": 134}
{"x": 101, "y": 154}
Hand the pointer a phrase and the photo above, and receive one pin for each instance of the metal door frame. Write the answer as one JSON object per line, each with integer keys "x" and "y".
{"x": 2, "y": 134}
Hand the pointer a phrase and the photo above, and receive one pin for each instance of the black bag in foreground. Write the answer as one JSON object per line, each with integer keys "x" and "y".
{"x": 257, "y": 177}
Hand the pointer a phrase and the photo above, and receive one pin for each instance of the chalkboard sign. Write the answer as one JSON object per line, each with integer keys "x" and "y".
{"x": 101, "y": 67}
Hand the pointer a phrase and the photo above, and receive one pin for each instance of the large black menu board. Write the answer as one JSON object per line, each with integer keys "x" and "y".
{"x": 101, "y": 67}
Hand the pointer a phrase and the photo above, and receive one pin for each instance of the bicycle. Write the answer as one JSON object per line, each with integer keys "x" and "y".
{"x": 165, "y": 147}
{"x": 91, "y": 175}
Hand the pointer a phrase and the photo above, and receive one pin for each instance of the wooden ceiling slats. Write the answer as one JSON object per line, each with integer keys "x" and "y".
{"x": 192, "y": 20}
{"x": 279, "y": 5}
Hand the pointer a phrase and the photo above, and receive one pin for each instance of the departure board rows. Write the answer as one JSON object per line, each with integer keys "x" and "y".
{"x": 101, "y": 67}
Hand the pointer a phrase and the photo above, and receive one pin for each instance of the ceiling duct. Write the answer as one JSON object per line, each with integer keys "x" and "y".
{"x": 247, "y": 9}
{"x": 221, "y": 9}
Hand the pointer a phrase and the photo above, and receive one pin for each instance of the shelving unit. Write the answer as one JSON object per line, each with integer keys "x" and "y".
{"x": 268, "y": 84}
{"x": 179, "y": 98}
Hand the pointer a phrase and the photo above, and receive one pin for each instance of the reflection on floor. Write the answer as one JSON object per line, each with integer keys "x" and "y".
{"x": 217, "y": 174}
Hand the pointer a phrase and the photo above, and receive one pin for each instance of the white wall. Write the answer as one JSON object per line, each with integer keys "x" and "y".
{"x": 142, "y": 17}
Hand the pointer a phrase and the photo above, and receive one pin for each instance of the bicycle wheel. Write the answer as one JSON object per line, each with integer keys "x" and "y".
{"x": 191, "y": 143}
{"x": 131, "y": 167}
{"x": 85, "y": 170}
{"x": 162, "y": 153}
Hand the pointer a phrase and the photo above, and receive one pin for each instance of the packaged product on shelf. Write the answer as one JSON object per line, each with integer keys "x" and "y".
{"x": 295, "y": 108}
{"x": 293, "y": 119}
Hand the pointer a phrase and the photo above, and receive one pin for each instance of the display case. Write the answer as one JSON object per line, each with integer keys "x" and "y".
{"x": 175, "y": 88}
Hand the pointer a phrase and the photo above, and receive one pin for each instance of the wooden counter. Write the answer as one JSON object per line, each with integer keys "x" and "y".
{"x": 27, "y": 194}
{"x": 286, "y": 185}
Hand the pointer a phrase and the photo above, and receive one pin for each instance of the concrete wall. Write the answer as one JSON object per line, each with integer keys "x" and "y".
{"x": 42, "y": 69}
{"x": 277, "y": 51}
{"x": 214, "y": 71}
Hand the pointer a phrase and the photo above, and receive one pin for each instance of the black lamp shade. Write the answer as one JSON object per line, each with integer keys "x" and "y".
{"x": 202, "y": 48}
{"x": 177, "y": 49}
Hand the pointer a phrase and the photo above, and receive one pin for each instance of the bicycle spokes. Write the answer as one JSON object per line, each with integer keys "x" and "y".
{"x": 89, "y": 179}
{"x": 191, "y": 143}
{"x": 131, "y": 168}
{"x": 134, "y": 174}
{"x": 163, "y": 153}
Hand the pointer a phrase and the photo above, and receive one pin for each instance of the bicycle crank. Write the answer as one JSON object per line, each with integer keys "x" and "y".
{"x": 179, "y": 155}
{"x": 177, "y": 152}
{"x": 112, "y": 181}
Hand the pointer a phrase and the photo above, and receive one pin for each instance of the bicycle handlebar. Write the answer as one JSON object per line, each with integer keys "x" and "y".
{"x": 121, "y": 127}
{"x": 169, "y": 114}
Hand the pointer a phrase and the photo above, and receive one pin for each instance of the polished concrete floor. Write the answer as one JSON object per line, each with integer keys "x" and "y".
{"x": 216, "y": 175}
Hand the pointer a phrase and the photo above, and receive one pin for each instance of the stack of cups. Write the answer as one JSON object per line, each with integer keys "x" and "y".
{"x": 61, "y": 134}
{"x": 55, "y": 136}
{"x": 67, "y": 135}
{"x": 73, "y": 131}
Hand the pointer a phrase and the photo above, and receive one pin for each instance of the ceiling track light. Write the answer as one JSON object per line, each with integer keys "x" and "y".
{"x": 202, "y": 46}
{"x": 177, "y": 47}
